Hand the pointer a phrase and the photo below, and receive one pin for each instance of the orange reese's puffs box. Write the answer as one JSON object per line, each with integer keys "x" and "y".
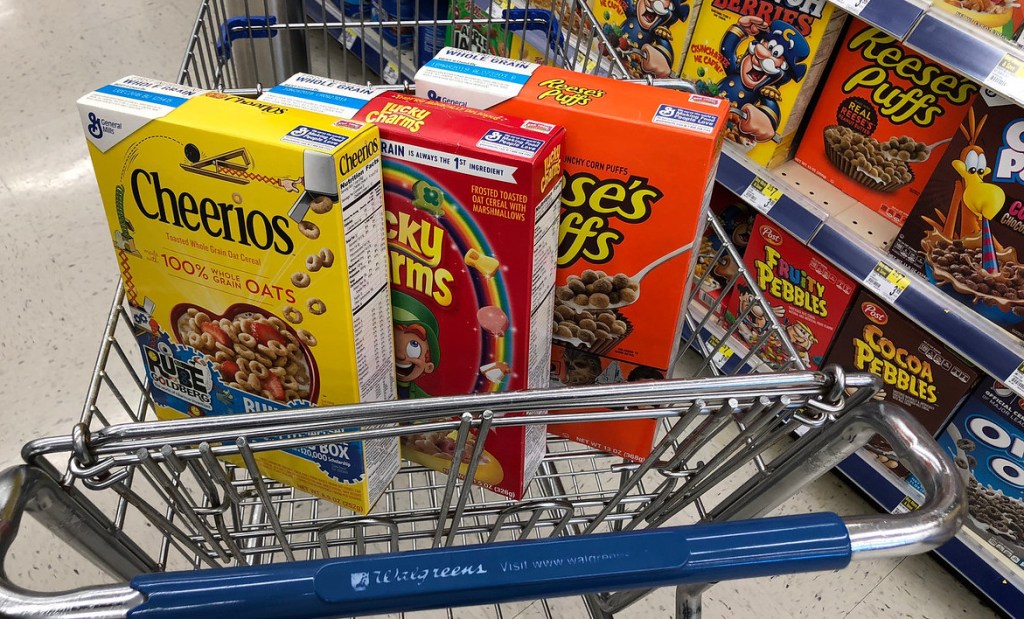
{"x": 883, "y": 121}
{"x": 639, "y": 164}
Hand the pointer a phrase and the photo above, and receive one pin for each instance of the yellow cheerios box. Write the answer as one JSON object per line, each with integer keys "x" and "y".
{"x": 251, "y": 243}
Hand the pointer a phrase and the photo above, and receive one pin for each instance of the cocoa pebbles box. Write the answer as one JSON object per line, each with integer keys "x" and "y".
{"x": 809, "y": 296}
{"x": 882, "y": 121}
{"x": 966, "y": 231}
{"x": 765, "y": 58}
{"x": 986, "y": 441}
{"x": 251, "y": 243}
{"x": 471, "y": 210}
{"x": 917, "y": 370}
{"x": 630, "y": 214}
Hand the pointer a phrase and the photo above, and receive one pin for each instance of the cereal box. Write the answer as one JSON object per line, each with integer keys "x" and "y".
{"x": 716, "y": 269}
{"x": 986, "y": 441}
{"x": 882, "y": 121}
{"x": 1004, "y": 17}
{"x": 651, "y": 36}
{"x": 918, "y": 372}
{"x": 967, "y": 228}
{"x": 251, "y": 243}
{"x": 630, "y": 214}
{"x": 808, "y": 295}
{"x": 472, "y": 223}
{"x": 765, "y": 58}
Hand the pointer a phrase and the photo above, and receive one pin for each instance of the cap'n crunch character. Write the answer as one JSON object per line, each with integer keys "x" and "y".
{"x": 416, "y": 349}
{"x": 645, "y": 33}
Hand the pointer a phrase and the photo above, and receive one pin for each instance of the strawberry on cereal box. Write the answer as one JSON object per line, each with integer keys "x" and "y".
{"x": 882, "y": 121}
{"x": 471, "y": 218}
{"x": 765, "y": 58}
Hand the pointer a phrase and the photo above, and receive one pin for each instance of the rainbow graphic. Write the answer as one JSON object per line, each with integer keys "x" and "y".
{"x": 458, "y": 222}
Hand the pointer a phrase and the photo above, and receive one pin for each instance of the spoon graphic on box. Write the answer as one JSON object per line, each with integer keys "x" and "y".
{"x": 632, "y": 285}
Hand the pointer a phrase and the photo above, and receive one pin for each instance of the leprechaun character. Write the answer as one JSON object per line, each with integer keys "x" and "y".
{"x": 644, "y": 37}
{"x": 416, "y": 348}
{"x": 775, "y": 56}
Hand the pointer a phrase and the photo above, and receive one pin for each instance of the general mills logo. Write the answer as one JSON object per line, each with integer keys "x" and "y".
{"x": 666, "y": 110}
{"x": 95, "y": 126}
{"x": 493, "y": 136}
{"x": 298, "y": 132}
{"x": 360, "y": 581}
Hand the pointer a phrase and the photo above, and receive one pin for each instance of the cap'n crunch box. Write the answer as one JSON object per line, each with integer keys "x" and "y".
{"x": 985, "y": 439}
{"x": 472, "y": 224}
{"x": 882, "y": 121}
{"x": 251, "y": 243}
{"x": 766, "y": 58}
{"x": 630, "y": 213}
{"x": 808, "y": 295}
{"x": 966, "y": 231}
{"x": 917, "y": 370}
{"x": 651, "y": 36}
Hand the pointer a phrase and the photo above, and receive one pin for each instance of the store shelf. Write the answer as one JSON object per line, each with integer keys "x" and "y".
{"x": 897, "y": 17}
{"x": 1000, "y": 583}
{"x": 831, "y": 230}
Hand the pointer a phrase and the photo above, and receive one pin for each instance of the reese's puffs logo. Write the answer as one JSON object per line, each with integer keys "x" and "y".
{"x": 566, "y": 94}
{"x": 592, "y": 208}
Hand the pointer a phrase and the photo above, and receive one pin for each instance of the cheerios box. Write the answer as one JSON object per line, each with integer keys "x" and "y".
{"x": 766, "y": 59}
{"x": 883, "y": 120}
{"x": 639, "y": 166}
{"x": 808, "y": 296}
{"x": 471, "y": 201}
{"x": 251, "y": 241}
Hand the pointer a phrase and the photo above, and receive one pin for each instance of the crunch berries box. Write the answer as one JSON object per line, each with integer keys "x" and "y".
{"x": 882, "y": 121}
{"x": 651, "y": 36}
{"x": 919, "y": 373}
{"x": 630, "y": 213}
{"x": 808, "y": 295}
{"x": 986, "y": 442}
{"x": 766, "y": 59}
{"x": 472, "y": 223}
{"x": 251, "y": 243}
{"x": 966, "y": 232}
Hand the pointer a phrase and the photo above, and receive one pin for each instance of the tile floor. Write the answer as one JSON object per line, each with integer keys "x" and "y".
{"x": 57, "y": 271}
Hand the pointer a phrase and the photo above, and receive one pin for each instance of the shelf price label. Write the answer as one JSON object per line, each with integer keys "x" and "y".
{"x": 1015, "y": 380}
{"x": 854, "y": 7}
{"x": 761, "y": 195}
{"x": 722, "y": 352}
{"x": 1007, "y": 77}
{"x": 886, "y": 281}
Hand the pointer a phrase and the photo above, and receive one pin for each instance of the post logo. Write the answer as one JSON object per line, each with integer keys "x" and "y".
{"x": 874, "y": 313}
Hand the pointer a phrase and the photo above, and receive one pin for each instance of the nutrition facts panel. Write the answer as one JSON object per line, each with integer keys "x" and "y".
{"x": 362, "y": 200}
{"x": 545, "y": 250}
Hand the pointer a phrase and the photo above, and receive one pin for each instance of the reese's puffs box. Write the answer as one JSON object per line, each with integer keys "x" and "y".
{"x": 765, "y": 58}
{"x": 639, "y": 163}
{"x": 251, "y": 243}
{"x": 471, "y": 213}
{"x": 882, "y": 121}
{"x": 918, "y": 372}
{"x": 808, "y": 295}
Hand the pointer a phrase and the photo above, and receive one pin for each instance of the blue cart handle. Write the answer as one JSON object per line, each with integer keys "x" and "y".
{"x": 503, "y": 572}
{"x": 529, "y": 20}
{"x": 256, "y": 27}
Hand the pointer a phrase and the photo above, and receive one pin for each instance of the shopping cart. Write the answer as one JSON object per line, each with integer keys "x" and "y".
{"x": 155, "y": 505}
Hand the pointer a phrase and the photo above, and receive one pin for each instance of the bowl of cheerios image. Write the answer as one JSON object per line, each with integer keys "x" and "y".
{"x": 252, "y": 350}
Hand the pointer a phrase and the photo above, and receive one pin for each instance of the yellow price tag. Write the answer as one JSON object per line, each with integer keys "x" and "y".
{"x": 761, "y": 194}
{"x": 887, "y": 281}
{"x": 722, "y": 353}
{"x": 1007, "y": 77}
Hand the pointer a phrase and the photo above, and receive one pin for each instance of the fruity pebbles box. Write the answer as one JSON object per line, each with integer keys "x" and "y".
{"x": 967, "y": 228}
{"x": 630, "y": 214}
{"x": 986, "y": 441}
{"x": 809, "y": 296}
{"x": 917, "y": 370}
{"x": 882, "y": 121}
{"x": 651, "y": 36}
{"x": 251, "y": 243}
{"x": 766, "y": 59}
{"x": 472, "y": 223}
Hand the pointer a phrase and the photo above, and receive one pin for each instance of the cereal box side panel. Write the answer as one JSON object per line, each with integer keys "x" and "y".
{"x": 956, "y": 206}
{"x": 984, "y": 439}
{"x": 651, "y": 37}
{"x": 900, "y": 104}
{"x": 808, "y": 296}
{"x": 763, "y": 96}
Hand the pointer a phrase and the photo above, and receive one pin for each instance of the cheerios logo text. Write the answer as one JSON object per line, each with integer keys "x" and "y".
{"x": 785, "y": 281}
{"x": 568, "y": 95}
{"x": 875, "y": 353}
{"x": 408, "y": 117}
{"x": 800, "y": 13}
{"x": 590, "y": 207}
{"x": 221, "y": 220}
{"x": 415, "y": 248}
{"x": 931, "y": 86}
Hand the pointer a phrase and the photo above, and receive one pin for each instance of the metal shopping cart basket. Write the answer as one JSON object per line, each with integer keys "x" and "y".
{"x": 184, "y": 533}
